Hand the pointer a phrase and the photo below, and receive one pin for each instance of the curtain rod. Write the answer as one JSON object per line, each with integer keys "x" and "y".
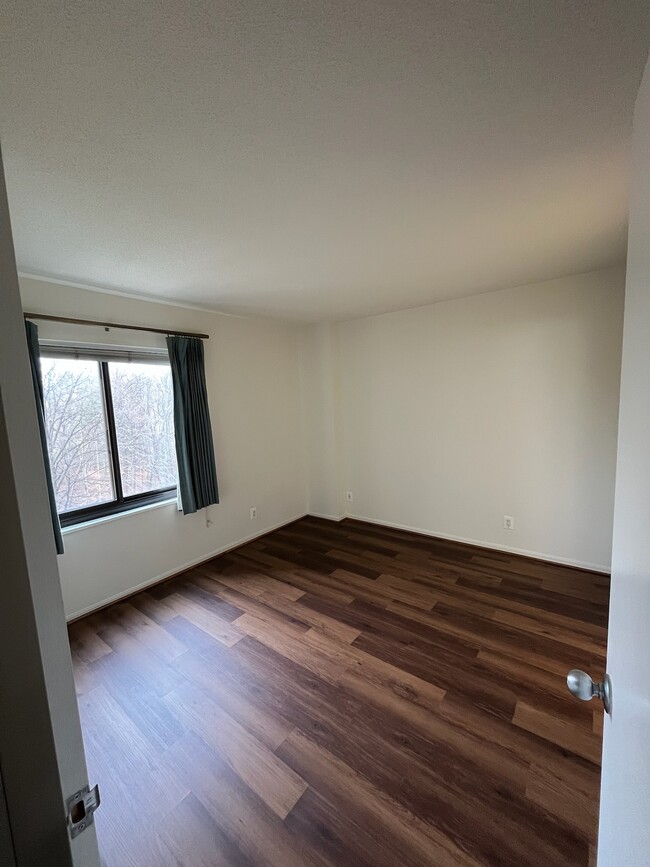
{"x": 107, "y": 325}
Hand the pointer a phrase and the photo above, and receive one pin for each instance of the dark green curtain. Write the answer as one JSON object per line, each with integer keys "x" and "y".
{"x": 35, "y": 364}
{"x": 197, "y": 472}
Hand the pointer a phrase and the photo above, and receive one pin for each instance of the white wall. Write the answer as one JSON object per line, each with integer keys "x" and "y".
{"x": 253, "y": 377}
{"x": 322, "y": 419}
{"x": 461, "y": 412}
{"x": 624, "y": 834}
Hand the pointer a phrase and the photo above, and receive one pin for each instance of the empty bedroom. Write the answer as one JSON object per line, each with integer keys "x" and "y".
{"x": 323, "y": 434}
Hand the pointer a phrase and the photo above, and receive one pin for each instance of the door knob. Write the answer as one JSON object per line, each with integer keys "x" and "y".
{"x": 583, "y": 687}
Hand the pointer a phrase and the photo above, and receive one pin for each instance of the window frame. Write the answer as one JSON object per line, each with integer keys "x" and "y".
{"x": 120, "y": 504}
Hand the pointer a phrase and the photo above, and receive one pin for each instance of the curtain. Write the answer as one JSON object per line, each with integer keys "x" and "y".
{"x": 35, "y": 364}
{"x": 197, "y": 473}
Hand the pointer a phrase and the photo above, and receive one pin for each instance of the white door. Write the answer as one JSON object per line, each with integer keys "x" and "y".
{"x": 42, "y": 759}
{"x": 624, "y": 837}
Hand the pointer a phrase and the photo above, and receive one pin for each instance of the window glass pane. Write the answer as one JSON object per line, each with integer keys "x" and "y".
{"x": 76, "y": 433}
{"x": 144, "y": 422}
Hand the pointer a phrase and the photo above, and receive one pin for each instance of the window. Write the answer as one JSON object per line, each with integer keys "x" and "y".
{"x": 110, "y": 430}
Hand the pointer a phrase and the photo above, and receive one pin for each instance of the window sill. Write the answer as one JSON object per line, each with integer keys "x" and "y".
{"x": 85, "y": 525}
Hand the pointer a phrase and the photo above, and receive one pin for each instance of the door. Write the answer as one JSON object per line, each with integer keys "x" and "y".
{"x": 41, "y": 749}
{"x": 624, "y": 837}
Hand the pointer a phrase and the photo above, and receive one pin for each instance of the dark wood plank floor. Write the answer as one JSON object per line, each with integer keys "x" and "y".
{"x": 344, "y": 694}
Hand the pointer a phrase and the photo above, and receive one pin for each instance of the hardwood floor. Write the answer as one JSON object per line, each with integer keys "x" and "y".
{"x": 345, "y": 694}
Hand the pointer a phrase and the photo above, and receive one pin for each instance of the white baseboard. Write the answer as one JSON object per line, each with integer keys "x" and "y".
{"x": 180, "y": 569}
{"x": 537, "y": 555}
{"x": 326, "y": 517}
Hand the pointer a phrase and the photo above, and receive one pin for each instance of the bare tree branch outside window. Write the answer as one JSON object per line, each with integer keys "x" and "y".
{"x": 76, "y": 430}
{"x": 144, "y": 421}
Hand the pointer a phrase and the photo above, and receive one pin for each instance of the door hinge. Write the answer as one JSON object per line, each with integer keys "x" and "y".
{"x": 81, "y": 807}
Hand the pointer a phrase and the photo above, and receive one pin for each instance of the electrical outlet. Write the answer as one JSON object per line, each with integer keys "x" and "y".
{"x": 253, "y": 513}
{"x": 508, "y": 522}
{"x": 348, "y": 496}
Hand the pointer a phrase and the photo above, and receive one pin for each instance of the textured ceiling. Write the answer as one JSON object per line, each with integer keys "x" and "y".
{"x": 318, "y": 159}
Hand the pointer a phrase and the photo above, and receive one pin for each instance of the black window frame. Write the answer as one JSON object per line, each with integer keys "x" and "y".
{"x": 121, "y": 504}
